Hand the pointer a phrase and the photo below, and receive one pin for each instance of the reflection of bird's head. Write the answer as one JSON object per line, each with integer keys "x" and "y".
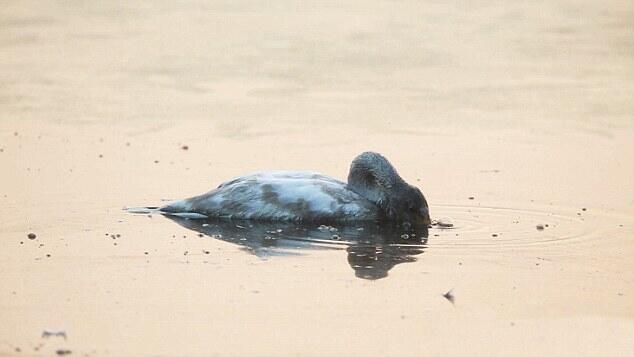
{"x": 372, "y": 262}
{"x": 367, "y": 263}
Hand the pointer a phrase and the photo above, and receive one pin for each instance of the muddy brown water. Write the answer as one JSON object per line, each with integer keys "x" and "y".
{"x": 507, "y": 116}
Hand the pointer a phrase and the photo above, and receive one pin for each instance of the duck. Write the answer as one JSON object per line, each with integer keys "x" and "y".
{"x": 374, "y": 191}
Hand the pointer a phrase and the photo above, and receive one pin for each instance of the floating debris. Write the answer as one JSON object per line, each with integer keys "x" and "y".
{"x": 185, "y": 147}
{"x": 471, "y": 198}
{"x": 62, "y": 352}
{"x": 444, "y": 223}
{"x": 47, "y": 334}
{"x": 31, "y": 236}
{"x": 540, "y": 227}
{"x": 450, "y": 296}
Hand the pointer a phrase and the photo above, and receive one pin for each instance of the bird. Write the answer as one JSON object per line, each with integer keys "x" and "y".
{"x": 374, "y": 191}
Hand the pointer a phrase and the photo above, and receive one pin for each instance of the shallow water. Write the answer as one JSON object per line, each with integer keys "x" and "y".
{"x": 507, "y": 116}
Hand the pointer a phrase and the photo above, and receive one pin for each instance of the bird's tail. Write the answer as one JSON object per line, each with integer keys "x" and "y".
{"x": 164, "y": 211}
{"x": 143, "y": 210}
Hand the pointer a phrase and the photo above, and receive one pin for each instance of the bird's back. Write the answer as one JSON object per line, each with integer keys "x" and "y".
{"x": 280, "y": 195}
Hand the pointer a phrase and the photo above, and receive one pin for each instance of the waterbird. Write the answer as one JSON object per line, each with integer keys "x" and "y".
{"x": 374, "y": 191}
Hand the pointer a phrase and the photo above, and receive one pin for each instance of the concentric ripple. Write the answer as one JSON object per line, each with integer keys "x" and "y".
{"x": 512, "y": 227}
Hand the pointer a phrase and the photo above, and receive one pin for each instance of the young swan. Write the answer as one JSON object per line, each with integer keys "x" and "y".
{"x": 374, "y": 191}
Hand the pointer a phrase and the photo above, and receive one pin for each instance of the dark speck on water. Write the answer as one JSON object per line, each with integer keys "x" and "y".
{"x": 540, "y": 227}
{"x": 443, "y": 223}
{"x": 31, "y": 236}
{"x": 185, "y": 147}
{"x": 62, "y": 352}
{"x": 494, "y": 235}
{"x": 201, "y": 235}
{"x": 449, "y": 296}
{"x": 584, "y": 209}
{"x": 146, "y": 253}
{"x": 471, "y": 198}
{"x": 47, "y": 334}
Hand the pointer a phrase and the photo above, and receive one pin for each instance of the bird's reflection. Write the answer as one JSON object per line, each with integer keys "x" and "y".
{"x": 373, "y": 249}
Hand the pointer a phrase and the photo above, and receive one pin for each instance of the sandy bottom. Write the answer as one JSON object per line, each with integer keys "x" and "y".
{"x": 506, "y": 116}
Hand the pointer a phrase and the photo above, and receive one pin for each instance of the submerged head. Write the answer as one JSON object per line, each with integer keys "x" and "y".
{"x": 374, "y": 178}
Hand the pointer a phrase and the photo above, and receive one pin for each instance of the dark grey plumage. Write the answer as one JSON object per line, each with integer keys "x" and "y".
{"x": 374, "y": 191}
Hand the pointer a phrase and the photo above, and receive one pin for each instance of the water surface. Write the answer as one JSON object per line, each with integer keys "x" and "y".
{"x": 508, "y": 116}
